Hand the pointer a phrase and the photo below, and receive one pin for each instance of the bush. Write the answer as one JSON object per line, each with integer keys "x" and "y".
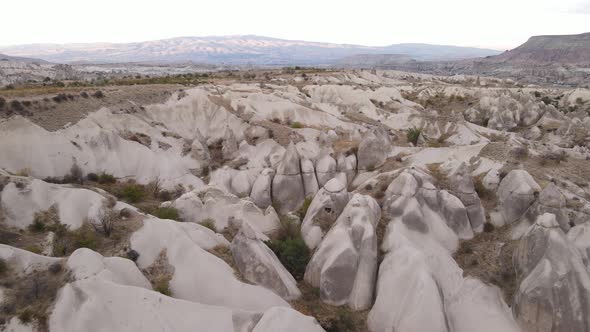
{"x": 167, "y": 213}
{"x": 303, "y": 209}
{"x": 16, "y": 106}
{"x": 75, "y": 175}
{"x": 92, "y": 177}
{"x": 98, "y": 94}
{"x": 209, "y": 223}
{"x": 60, "y": 97}
{"x": 293, "y": 254}
{"x": 520, "y": 152}
{"x": 163, "y": 286}
{"x": 105, "y": 178}
{"x": 84, "y": 94}
{"x": 296, "y": 125}
{"x": 2, "y": 103}
{"x": 413, "y": 134}
{"x": 37, "y": 226}
{"x": 133, "y": 193}
{"x": 537, "y": 94}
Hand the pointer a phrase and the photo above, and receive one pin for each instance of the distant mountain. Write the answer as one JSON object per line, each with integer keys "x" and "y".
{"x": 4, "y": 57}
{"x": 565, "y": 49}
{"x": 237, "y": 50}
{"x": 374, "y": 61}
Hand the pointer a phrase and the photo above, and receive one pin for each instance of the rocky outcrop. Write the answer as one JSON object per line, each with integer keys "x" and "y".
{"x": 550, "y": 200}
{"x": 288, "y": 192}
{"x": 373, "y": 150}
{"x": 260, "y": 266}
{"x": 554, "y": 291}
{"x": 516, "y": 192}
{"x": 325, "y": 169}
{"x": 462, "y": 187}
{"x": 323, "y": 211}
{"x": 310, "y": 182}
{"x": 345, "y": 264}
{"x": 261, "y": 188}
{"x": 346, "y": 167}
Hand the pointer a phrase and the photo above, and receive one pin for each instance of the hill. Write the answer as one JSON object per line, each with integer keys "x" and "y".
{"x": 246, "y": 49}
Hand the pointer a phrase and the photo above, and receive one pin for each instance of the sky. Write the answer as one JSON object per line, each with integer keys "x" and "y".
{"x": 497, "y": 24}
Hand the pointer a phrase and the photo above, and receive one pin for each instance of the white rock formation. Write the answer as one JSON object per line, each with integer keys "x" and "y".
{"x": 345, "y": 264}
{"x": 323, "y": 212}
{"x": 554, "y": 291}
{"x": 260, "y": 266}
{"x": 287, "y": 185}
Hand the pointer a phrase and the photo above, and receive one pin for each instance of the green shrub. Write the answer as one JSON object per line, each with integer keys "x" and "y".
{"x": 37, "y": 226}
{"x": 303, "y": 209}
{"x": 2, "y": 103}
{"x": 26, "y": 315}
{"x": 167, "y": 213}
{"x": 296, "y": 125}
{"x": 413, "y": 134}
{"x": 85, "y": 237}
{"x": 293, "y": 254}
{"x": 209, "y": 223}
{"x": 34, "y": 249}
{"x": 92, "y": 177}
{"x": 133, "y": 193}
{"x": 105, "y": 178}
{"x": 537, "y": 94}
{"x": 162, "y": 285}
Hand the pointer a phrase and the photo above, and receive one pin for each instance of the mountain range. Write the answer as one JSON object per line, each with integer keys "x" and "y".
{"x": 236, "y": 50}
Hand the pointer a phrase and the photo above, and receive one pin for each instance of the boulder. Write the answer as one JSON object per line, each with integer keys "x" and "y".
{"x": 323, "y": 211}
{"x": 346, "y": 165}
{"x": 550, "y": 200}
{"x": 462, "y": 184}
{"x": 310, "y": 182}
{"x": 287, "y": 185}
{"x": 260, "y": 266}
{"x": 491, "y": 180}
{"x": 554, "y": 291}
{"x": 261, "y": 188}
{"x": 344, "y": 266}
{"x": 455, "y": 214}
{"x": 373, "y": 150}
{"x": 517, "y": 191}
{"x": 280, "y": 319}
{"x": 325, "y": 169}
{"x": 229, "y": 146}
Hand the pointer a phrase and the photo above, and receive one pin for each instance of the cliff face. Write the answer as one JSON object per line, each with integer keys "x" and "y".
{"x": 567, "y": 49}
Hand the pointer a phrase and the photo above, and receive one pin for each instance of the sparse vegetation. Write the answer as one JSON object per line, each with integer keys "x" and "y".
{"x": 209, "y": 223}
{"x": 162, "y": 286}
{"x": 104, "y": 178}
{"x": 167, "y": 213}
{"x": 296, "y": 125}
{"x": 98, "y": 94}
{"x": 520, "y": 152}
{"x": 133, "y": 193}
{"x": 413, "y": 134}
{"x": 106, "y": 220}
{"x": 304, "y": 207}
{"x": 290, "y": 248}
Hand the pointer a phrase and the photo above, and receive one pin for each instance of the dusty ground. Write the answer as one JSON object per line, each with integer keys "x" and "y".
{"x": 51, "y": 115}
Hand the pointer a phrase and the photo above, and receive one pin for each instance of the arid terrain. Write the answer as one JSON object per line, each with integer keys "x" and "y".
{"x": 294, "y": 199}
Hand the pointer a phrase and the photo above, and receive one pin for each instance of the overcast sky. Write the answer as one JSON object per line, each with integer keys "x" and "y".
{"x": 499, "y": 24}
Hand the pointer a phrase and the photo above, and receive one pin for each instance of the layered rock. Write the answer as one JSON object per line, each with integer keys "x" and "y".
{"x": 260, "y": 266}
{"x": 554, "y": 291}
{"x": 323, "y": 211}
{"x": 345, "y": 264}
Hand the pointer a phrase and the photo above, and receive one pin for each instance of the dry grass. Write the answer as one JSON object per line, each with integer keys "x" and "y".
{"x": 30, "y": 297}
{"x": 440, "y": 177}
{"x": 331, "y": 318}
{"x": 488, "y": 257}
